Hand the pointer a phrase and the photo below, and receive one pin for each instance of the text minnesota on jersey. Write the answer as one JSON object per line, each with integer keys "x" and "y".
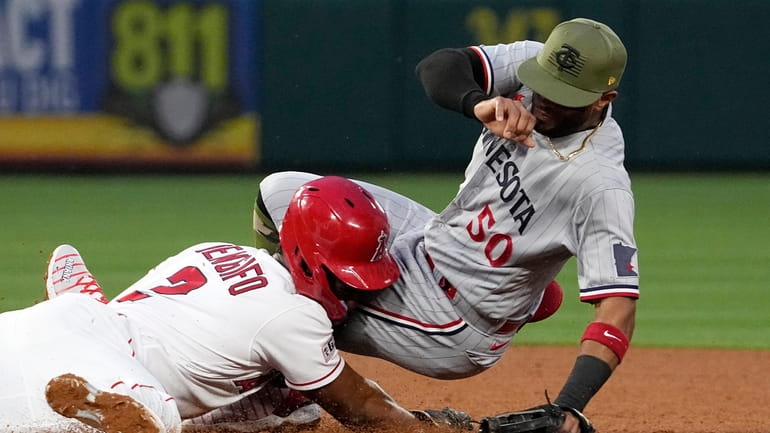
{"x": 507, "y": 174}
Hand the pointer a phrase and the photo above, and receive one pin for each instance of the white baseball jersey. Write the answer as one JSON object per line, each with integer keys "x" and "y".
{"x": 217, "y": 321}
{"x": 473, "y": 275}
{"x": 72, "y": 333}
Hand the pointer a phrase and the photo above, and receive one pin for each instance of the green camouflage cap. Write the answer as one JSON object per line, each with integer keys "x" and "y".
{"x": 581, "y": 60}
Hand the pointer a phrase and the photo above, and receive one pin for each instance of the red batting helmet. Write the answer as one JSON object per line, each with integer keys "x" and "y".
{"x": 334, "y": 224}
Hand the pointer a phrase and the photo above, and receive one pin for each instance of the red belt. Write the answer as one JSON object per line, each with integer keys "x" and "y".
{"x": 451, "y": 291}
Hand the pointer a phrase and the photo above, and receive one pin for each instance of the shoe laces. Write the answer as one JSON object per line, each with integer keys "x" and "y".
{"x": 89, "y": 286}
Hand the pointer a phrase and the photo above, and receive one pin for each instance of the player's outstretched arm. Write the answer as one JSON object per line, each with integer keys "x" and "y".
{"x": 602, "y": 348}
{"x": 453, "y": 78}
{"x": 360, "y": 404}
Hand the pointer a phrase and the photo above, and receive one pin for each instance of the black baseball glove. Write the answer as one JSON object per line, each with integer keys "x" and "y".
{"x": 546, "y": 418}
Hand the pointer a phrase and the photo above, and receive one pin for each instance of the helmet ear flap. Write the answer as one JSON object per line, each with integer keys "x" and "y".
{"x": 298, "y": 262}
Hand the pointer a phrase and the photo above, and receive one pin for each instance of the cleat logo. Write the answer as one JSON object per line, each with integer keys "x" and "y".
{"x": 67, "y": 271}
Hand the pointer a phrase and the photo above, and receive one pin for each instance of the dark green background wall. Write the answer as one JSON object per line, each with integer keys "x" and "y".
{"x": 340, "y": 90}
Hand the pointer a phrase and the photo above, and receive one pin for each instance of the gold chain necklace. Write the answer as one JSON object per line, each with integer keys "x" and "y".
{"x": 574, "y": 152}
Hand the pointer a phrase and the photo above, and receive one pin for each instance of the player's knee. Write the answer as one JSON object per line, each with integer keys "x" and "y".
{"x": 552, "y": 299}
{"x": 275, "y": 192}
{"x": 266, "y": 234}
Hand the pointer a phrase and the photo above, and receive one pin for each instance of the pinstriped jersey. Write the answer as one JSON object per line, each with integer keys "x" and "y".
{"x": 215, "y": 323}
{"x": 521, "y": 213}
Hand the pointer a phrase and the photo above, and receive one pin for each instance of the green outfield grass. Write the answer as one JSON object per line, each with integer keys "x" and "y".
{"x": 704, "y": 243}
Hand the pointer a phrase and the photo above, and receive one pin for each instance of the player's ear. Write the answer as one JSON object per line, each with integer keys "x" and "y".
{"x": 606, "y": 98}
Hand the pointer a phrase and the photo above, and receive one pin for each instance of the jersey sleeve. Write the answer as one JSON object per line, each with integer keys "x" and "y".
{"x": 501, "y": 63}
{"x": 606, "y": 248}
{"x": 300, "y": 344}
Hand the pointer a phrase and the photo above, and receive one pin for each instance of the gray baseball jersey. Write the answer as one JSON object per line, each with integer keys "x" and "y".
{"x": 473, "y": 274}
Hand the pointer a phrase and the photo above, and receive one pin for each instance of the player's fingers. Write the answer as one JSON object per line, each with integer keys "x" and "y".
{"x": 526, "y": 121}
{"x": 526, "y": 126}
{"x": 526, "y": 140}
{"x": 499, "y": 110}
{"x": 511, "y": 128}
{"x": 514, "y": 123}
{"x": 570, "y": 425}
{"x": 532, "y": 121}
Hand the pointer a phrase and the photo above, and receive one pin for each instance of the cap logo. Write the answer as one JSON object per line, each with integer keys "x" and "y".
{"x": 567, "y": 59}
{"x": 380, "y": 250}
{"x": 611, "y": 81}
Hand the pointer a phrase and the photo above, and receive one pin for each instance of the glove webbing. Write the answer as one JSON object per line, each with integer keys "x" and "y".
{"x": 534, "y": 420}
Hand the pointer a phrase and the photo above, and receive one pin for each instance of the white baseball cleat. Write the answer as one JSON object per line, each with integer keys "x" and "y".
{"x": 67, "y": 273}
{"x": 293, "y": 413}
{"x": 73, "y": 397}
{"x": 296, "y": 411}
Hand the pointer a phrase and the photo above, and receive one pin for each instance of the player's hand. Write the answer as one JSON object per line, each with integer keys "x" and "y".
{"x": 507, "y": 118}
{"x": 571, "y": 424}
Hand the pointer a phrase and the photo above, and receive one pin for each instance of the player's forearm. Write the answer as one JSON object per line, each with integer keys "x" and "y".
{"x": 588, "y": 376}
{"x": 374, "y": 409}
{"x": 619, "y": 312}
{"x": 609, "y": 334}
{"x": 452, "y": 78}
{"x": 360, "y": 403}
{"x": 602, "y": 348}
{"x": 387, "y": 414}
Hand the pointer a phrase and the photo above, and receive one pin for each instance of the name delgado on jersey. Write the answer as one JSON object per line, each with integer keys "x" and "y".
{"x": 507, "y": 175}
{"x": 233, "y": 261}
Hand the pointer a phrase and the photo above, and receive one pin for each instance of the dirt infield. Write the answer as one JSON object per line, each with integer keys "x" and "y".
{"x": 653, "y": 391}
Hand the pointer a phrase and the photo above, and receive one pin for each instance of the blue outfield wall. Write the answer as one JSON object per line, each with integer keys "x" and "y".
{"x": 129, "y": 83}
{"x": 330, "y": 85}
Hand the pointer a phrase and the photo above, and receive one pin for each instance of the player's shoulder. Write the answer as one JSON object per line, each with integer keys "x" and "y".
{"x": 610, "y": 148}
{"x": 298, "y": 313}
{"x": 603, "y": 166}
{"x": 605, "y": 174}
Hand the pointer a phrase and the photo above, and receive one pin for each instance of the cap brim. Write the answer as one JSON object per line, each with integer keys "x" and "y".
{"x": 367, "y": 276}
{"x": 546, "y": 85}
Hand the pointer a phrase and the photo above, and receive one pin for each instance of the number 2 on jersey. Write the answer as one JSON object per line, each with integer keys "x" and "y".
{"x": 182, "y": 282}
{"x": 498, "y": 247}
